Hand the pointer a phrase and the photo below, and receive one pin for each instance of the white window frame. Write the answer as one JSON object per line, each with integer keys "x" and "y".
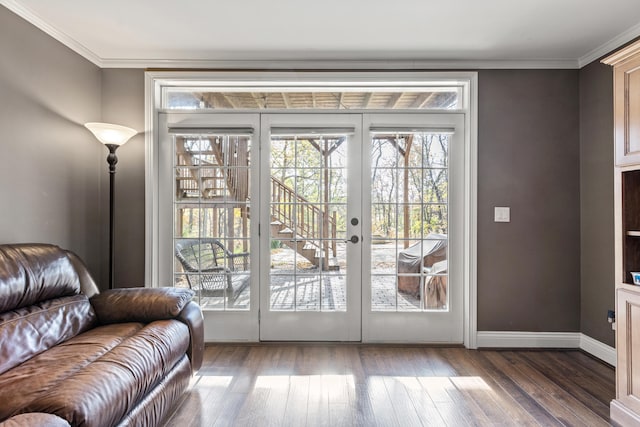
{"x": 156, "y": 80}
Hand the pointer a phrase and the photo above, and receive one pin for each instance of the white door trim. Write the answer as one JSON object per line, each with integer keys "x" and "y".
{"x": 155, "y": 80}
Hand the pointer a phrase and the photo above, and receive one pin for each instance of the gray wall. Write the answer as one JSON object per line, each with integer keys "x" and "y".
{"x": 123, "y": 103}
{"x": 49, "y": 163}
{"x": 534, "y": 155}
{"x": 529, "y": 269}
{"x": 596, "y": 200}
{"x": 528, "y": 148}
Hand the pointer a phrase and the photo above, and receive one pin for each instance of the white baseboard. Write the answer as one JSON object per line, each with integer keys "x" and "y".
{"x": 623, "y": 416}
{"x": 500, "y": 339}
{"x": 598, "y": 349}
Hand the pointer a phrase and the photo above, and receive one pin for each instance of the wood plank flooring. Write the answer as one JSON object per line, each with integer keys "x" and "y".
{"x": 383, "y": 385}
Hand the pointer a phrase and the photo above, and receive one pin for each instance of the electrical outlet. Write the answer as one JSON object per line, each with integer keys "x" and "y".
{"x": 611, "y": 318}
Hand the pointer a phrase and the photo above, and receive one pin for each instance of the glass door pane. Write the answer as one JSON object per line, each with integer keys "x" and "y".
{"x": 409, "y": 220}
{"x": 211, "y": 211}
{"x": 308, "y": 221}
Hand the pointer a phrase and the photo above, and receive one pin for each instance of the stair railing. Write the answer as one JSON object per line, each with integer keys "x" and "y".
{"x": 303, "y": 217}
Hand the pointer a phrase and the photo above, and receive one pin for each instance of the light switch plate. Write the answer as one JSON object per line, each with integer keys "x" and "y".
{"x": 502, "y": 214}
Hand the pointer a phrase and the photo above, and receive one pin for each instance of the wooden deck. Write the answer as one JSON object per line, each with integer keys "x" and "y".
{"x": 375, "y": 385}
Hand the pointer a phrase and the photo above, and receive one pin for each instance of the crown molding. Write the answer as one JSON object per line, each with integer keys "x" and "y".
{"x": 622, "y": 54}
{"x": 314, "y": 64}
{"x": 610, "y": 46}
{"x": 63, "y": 38}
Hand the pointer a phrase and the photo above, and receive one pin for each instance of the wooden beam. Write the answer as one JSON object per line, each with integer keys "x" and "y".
{"x": 256, "y": 99}
{"x": 428, "y": 97}
{"x": 367, "y": 100}
{"x": 393, "y": 100}
{"x": 315, "y": 145}
{"x": 285, "y": 99}
{"x": 340, "y": 98}
{"x": 313, "y": 99}
{"x": 422, "y": 97}
{"x": 337, "y": 144}
{"x": 208, "y": 100}
{"x": 229, "y": 100}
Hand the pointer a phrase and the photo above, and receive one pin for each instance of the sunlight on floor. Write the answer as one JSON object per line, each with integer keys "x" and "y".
{"x": 334, "y": 383}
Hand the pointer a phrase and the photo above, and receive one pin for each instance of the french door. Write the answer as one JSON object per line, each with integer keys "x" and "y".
{"x": 316, "y": 227}
{"x": 413, "y": 246}
{"x": 208, "y": 230}
{"x": 310, "y": 182}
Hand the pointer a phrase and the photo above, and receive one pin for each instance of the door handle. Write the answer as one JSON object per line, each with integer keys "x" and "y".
{"x": 353, "y": 239}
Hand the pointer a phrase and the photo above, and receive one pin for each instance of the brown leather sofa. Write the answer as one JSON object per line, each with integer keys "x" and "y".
{"x": 70, "y": 355}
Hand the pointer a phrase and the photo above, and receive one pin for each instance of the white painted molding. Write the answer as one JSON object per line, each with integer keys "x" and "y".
{"x": 151, "y": 93}
{"x": 63, "y": 38}
{"x": 471, "y": 219}
{"x": 623, "y": 416}
{"x": 346, "y": 65}
{"x": 609, "y": 46}
{"x": 598, "y": 349}
{"x": 500, "y": 339}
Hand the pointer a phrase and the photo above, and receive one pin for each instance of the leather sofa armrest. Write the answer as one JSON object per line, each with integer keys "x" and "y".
{"x": 35, "y": 419}
{"x": 191, "y": 315}
{"x": 140, "y": 304}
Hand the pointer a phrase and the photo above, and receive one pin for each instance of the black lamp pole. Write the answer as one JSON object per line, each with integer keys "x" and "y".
{"x": 112, "y": 136}
{"x": 112, "y": 159}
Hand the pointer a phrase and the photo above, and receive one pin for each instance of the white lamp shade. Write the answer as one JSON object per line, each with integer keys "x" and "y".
{"x": 108, "y": 133}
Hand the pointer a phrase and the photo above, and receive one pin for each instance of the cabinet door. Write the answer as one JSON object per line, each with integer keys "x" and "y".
{"x": 628, "y": 343}
{"x": 627, "y": 112}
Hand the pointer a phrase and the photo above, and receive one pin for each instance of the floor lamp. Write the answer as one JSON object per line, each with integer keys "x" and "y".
{"x": 112, "y": 136}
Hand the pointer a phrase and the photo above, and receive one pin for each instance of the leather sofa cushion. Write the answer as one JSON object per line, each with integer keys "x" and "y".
{"x": 33, "y": 273}
{"x": 153, "y": 409}
{"x": 29, "y": 331}
{"x": 35, "y": 420}
{"x": 88, "y": 286}
{"x": 140, "y": 304}
{"x": 102, "y": 392}
{"x": 28, "y": 381}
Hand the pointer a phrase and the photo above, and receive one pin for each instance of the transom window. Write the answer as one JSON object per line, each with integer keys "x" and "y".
{"x": 436, "y": 98}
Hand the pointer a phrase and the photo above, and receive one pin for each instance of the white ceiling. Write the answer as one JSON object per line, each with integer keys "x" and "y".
{"x": 439, "y": 33}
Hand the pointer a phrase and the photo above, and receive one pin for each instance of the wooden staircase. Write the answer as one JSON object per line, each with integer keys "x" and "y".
{"x": 303, "y": 226}
{"x": 295, "y": 221}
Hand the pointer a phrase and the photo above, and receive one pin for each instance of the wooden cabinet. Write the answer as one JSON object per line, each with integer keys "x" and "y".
{"x": 625, "y": 408}
{"x": 626, "y": 106}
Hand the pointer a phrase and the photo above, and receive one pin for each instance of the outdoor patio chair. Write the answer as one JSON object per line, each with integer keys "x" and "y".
{"x": 212, "y": 269}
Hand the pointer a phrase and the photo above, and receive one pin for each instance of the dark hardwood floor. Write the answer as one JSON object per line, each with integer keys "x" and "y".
{"x": 376, "y": 385}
